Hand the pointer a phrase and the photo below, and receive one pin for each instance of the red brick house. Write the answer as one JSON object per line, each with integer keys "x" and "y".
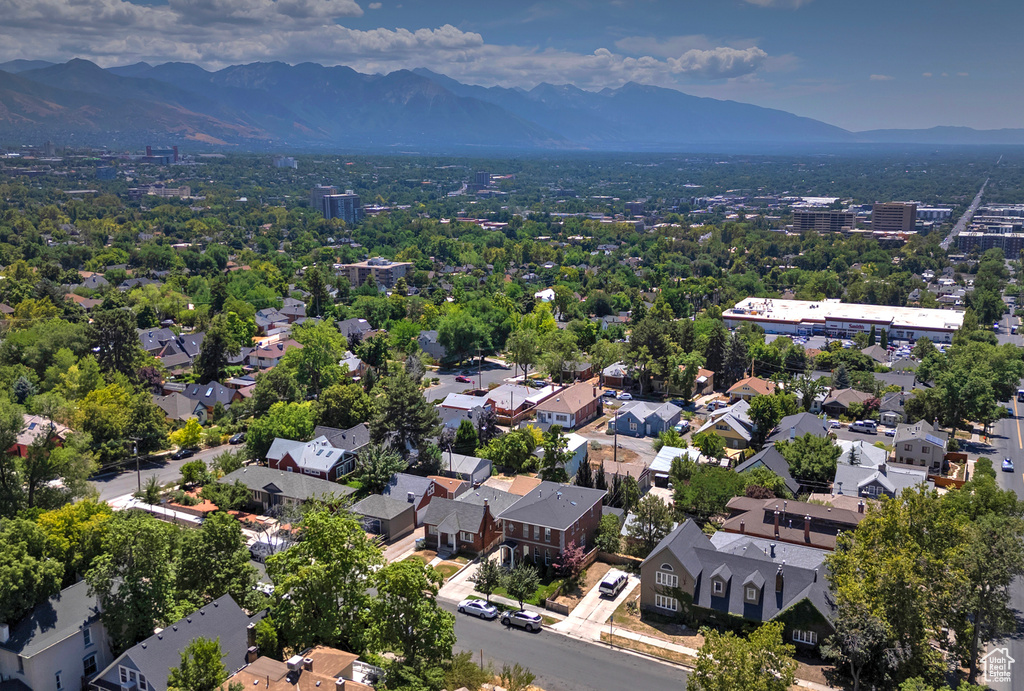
{"x": 467, "y": 524}
{"x": 448, "y": 487}
{"x": 36, "y": 426}
{"x": 543, "y": 522}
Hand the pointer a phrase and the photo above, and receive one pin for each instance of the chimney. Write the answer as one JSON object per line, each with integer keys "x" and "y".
{"x": 5, "y": 633}
{"x": 251, "y": 654}
{"x": 410, "y": 497}
{"x": 307, "y": 664}
{"x": 807, "y": 528}
{"x": 743, "y": 526}
{"x": 792, "y": 433}
{"x": 776, "y": 523}
{"x": 779, "y": 580}
{"x": 339, "y": 685}
{"x": 860, "y": 506}
{"x": 772, "y": 546}
{"x": 250, "y": 635}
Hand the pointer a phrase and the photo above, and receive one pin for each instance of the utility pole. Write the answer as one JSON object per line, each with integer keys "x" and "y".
{"x": 135, "y": 451}
{"x": 615, "y": 439}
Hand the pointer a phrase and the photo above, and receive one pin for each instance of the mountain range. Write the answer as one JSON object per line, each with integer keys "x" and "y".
{"x": 275, "y": 105}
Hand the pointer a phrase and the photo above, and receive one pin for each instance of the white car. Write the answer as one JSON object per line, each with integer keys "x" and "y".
{"x": 478, "y": 608}
{"x": 623, "y": 396}
{"x": 891, "y": 432}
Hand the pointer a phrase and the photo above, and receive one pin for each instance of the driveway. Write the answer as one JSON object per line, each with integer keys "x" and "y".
{"x": 590, "y": 617}
{"x": 491, "y": 373}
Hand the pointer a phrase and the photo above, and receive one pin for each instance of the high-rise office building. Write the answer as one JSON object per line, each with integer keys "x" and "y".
{"x": 344, "y": 206}
{"x": 893, "y": 217}
{"x": 317, "y": 194}
{"x": 823, "y": 221}
{"x": 483, "y": 178}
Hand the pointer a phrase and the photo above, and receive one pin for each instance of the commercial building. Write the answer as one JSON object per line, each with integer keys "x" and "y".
{"x": 972, "y": 241}
{"x": 931, "y": 213}
{"x": 823, "y": 221}
{"x": 164, "y": 155}
{"x": 342, "y": 206}
{"x": 285, "y": 162}
{"x": 182, "y": 192}
{"x": 894, "y": 217}
{"x": 843, "y": 320}
{"x": 384, "y": 271}
{"x": 317, "y": 194}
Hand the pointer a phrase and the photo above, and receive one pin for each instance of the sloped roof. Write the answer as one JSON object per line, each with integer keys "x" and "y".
{"x": 645, "y": 409}
{"x": 401, "y": 484}
{"x": 351, "y": 439}
{"x": 36, "y": 426}
{"x": 209, "y": 394}
{"x": 798, "y": 425}
{"x": 522, "y": 484}
{"x": 293, "y": 485}
{"x": 921, "y": 431}
{"x": 317, "y": 454}
{"x": 762, "y": 387}
{"x": 378, "y": 506}
{"x": 61, "y": 616}
{"x": 662, "y": 463}
{"x": 846, "y": 397}
{"x": 456, "y": 515}
{"x": 553, "y": 505}
{"x": 496, "y": 499}
{"x": 770, "y": 457}
{"x": 571, "y": 399}
{"x": 464, "y": 465}
{"x": 176, "y": 406}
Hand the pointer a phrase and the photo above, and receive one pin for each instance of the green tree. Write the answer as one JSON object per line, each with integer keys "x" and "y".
{"x": 515, "y": 677}
{"x": 556, "y": 455}
{"x": 378, "y": 462}
{"x": 841, "y": 378}
{"x": 226, "y": 497}
{"x": 405, "y": 617}
{"x": 513, "y": 451}
{"x": 194, "y": 473}
{"x": 765, "y": 412}
{"x": 115, "y": 341}
{"x": 404, "y": 415}
{"x": 522, "y": 582}
{"x": 709, "y": 444}
{"x": 466, "y": 439}
{"x": 284, "y": 420}
{"x": 27, "y": 575}
{"x": 321, "y": 581}
{"x": 524, "y": 348}
{"x": 134, "y": 577}
{"x": 462, "y": 333}
{"x": 585, "y": 474}
{"x": 652, "y": 521}
{"x": 53, "y": 475}
{"x": 608, "y": 538}
{"x": 215, "y": 560}
{"x": 276, "y": 385}
{"x": 811, "y": 458}
{"x": 872, "y": 336}
{"x": 736, "y": 360}
{"x": 715, "y": 349}
{"x": 189, "y": 436}
{"x": 201, "y": 668}
{"x": 683, "y": 370}
{"x": 488, "y": 577}
{"x": 74, "y": 535}
{"x": 316, "y": 363}
{"x": 669, "y": 438}
{"x": 859, "y": 645}
{"x": 463, "y": 673}
{"x": 216, "y": 349}
{"x": 343, "y": 406}
{"x": 761, "y": 662}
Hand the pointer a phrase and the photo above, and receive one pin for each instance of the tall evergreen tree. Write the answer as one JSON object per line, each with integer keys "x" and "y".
{"x": 735, "y": 360}
{"x": 404, "y": 413}
{"x": 715, "y": 349}
{"x": 600, "y": 482}
{"x": 585, "y": 475}
{"x": 883, "y": 339}
{"x": 841, "y": 378}
{"x": 212, "y": 362}
{"x": 872, "y": 337}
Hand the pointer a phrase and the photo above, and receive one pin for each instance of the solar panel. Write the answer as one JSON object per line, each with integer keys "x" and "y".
{"x": 934, "y": 440}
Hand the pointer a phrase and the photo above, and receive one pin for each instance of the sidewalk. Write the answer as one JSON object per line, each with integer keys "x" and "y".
{"x": 460, "y": 587}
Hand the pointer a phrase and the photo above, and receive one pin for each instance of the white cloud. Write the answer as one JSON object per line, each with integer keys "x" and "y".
{"x": 217, "y": 33}
{"x": 881, "y": 78}
{"x": 926, "y": 74}
{"x": 375, "y": 5}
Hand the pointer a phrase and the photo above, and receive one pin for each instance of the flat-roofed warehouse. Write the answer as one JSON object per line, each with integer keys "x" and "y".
{"x": 842, "y": 319}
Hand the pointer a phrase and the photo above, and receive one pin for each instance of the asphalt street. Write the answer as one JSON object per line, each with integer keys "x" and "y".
{"x": 115, "y": 484}
{"x": 1008, "y": 442}
{"x": 562, "y": 663}
{"x": 491, "y": 373}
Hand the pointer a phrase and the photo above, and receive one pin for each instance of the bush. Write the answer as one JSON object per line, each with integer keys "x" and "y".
{"x": 464, "y": 673}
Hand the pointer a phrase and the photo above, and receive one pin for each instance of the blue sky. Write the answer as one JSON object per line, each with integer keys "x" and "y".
{"x": 859, "y": 64}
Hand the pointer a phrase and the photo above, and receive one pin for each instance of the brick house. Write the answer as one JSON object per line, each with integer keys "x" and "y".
{"x": 571, "y": 407}
{"x": 542, "y": 523}
{"x": 466, "y": 524}
{"x": 318, "y": 458}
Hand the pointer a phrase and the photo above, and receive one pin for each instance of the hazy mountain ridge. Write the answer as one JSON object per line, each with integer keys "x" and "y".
{"x": 308, "y": 105}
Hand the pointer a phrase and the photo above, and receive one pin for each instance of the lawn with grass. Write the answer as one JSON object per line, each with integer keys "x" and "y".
{"x": 544, "y": 591}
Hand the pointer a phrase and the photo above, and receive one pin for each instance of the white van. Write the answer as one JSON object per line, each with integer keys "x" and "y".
{"x": 613, "y": 583}
{"x": 867, "y": 426}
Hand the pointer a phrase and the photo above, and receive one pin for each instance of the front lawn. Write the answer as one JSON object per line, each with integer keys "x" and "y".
{"x": 545, "y": 590}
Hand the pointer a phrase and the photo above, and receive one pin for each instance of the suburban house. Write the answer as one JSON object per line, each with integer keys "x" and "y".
{"x": 513, "y": 403}
{"x": 732, "y": 424}
{"x": 58, "y": 645}
{"x": 547, "y": 519}
{"x": 269, "y": 353}
{"x": 411, "y": 489}
{"x": 795, "y": 522}
{"x": 448, "y": 487}
{"x": 318, "y": 458}
{"x": 272, "y": 488}
{"x": 572, "y": 407}
{"x": 473, "y": 470}
{"x": 920, "y": 444}
{"x": 36, "y": 427}
{"x": 616, "y": 376}
{"x": 354, "y": 330}
{"x": 745, "y": 389}
{"x": 577, "y": 371}
{"x": 838, "y": 402}
{"x": 704, "y": 384}
{"x": 523, "y": 485}
{"x": 454, "y": 525}
{"x": 637, "y": 470}
{"x": 311, "y": 670}
{"x": 351, "y": 440}
{"x": 870, "y": 475}
{"x": 770, "y": 458}
{"x": 702, "y": 579}
{"x": 294, "y": 309}
{"x": 178, "y": 408}
{"x": 430, "y": 345}
{"x": 385, "y": 516}
{"x": 661, "y": 466}
{"x": 356, "y": 367}
{"x": 211, "y": 394}
{"x": 891, "y": 410}
{"x": 464, "y": 402}
{"x": 643, "y": 418}
{"x": 145, "y": 666}
{"x": 793, "y": 426}
{"x": 271, "y": 319}
{"x": 453, "y": 417}
{"x": 877, "y": 353}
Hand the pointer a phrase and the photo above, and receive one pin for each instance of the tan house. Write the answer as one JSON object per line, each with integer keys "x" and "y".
{"x": 921, "y": 445}
{"x": 571, "y": 407}
{"x": 732, "y": 424}
{"x": 745, "y": 389}
{"x": 704, "y": 384}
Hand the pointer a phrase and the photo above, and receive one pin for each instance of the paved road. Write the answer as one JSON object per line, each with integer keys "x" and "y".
{"x": 492, "y": 373}
{"x": 116, "y": 484}
{"x": 562, "y": 663}
{"x": 1008, "y": 442}
{"x": 965, "y": 219}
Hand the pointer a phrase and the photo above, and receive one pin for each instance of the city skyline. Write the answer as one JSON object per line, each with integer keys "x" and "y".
{"x": 864, "y": 66}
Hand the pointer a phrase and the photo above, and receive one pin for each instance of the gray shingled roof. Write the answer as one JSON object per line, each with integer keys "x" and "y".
{"x": 773, "y": 460}
{"x": 351, "y": 439}
{"x": 158, "y": 654}
{"x": 457, "y": 515}
{"x": 553, "y": 505}
{"x": 498, "y": 500}
{"x": 402, "y": 484}
{"x": 798, "y": 425}
{"x": 293, "y": 485}
{"x": 62, "y": 616}
{"x": 378, "y": 506}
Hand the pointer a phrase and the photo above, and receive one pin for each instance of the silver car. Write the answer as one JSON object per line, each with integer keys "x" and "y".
{"x": 478, "y": 608}
{"x": 523, "y": 619}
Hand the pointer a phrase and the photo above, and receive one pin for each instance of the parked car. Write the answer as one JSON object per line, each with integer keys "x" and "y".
{"x": 679, "y": 402}
{"x": 624, "y": 396}
{"x": 478, "y": 608}
{"x": 891, "y": 432}
{"x": 683, "y": 427}
{"x": 609, "y": 393}
{"x": 1007, "y": 465}
{"x": 463, "y": 379}
{"x": 834, "y": 424}
{"x": 237, "y": 438}
{"x": 183, "y": 453}
{"x": 613, "y": 583}
{"x": 866, "y": 426}
{"x": 523, "y": 619}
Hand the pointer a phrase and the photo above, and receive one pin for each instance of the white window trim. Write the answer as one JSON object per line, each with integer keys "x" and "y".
{"x": 87, "y": 635}
{"x": 667, "y": 603}
{"x": 669, "y": 580}
{"x": 807, "y": 637}
{"x": 717, "y": 587}
{"x": 751, "y": 593}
